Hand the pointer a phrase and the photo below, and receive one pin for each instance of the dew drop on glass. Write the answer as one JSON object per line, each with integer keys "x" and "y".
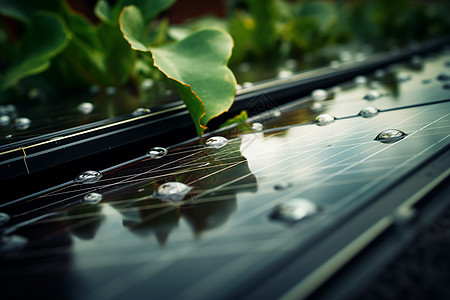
{"x": 5, "y": 120}
{"x": 390, "y": 136}
{"x": 22, "y": 123}
{"x": 12, "y": 243}
{"x": 92, "y": 198}
{"x": 141, "y": 111}
{"x": 282, "y": 186}
{"x": 345, "y": 56}
{"x": 257, "y": 126}
{"x": 319, "y": 95}
{"x": 85, "y": 108}
{"x": 335, "y": 64}
{"x": 88, "y": 177}
{"x": 416, "y": 61}
{"x": 369, "y": 112}
{"x": 444, "y": 76}
{"x": 173, "y": 192}
{"x": 372, "y": 95}
{"x": 402, "y": 77}
{"x": 216, "y": 142}
{"x": 294, "y": 210}
{"x": 94, "y": 89}
{"x": 247, "y": 84}
{"x": 4, "y": 218}
{"x": 157, "y": 152}
{"x": 284, "y": 74}
{"x": 360, "y": 80}
{"x": 291, "y": 63}
{"x": 324, "y": 119}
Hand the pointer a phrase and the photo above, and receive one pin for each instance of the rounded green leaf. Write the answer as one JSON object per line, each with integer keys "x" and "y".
{"x": 197, "y": 63}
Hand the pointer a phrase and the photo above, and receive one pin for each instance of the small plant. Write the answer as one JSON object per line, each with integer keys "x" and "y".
{"x": 62, "y": 51}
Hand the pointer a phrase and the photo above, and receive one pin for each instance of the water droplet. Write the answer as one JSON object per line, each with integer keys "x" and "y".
{"x": 276, "y": 113}
{"x": 22, "y": 123}
{"x": 294, "y": 210}
{"x": 335, "y": 64}
{"x": 444, "y": 76}
{"x": 372, "y": 95}
{"x": 324, "y": 119}
{"x": 8, "y": 136}
{"x": 4, "y": 218}
{"x": 345, "y": 56}
{"x": 282, "y": 186}
{"x": 238, "y": 87}
{"x": 172, "y": 192}
{"x": 447, "y": 63}
{"x": 316, "y": 107}
{"x": 93, "y": 198}
{"x": 247, "y": 84}
{"x": 416, "y": 61}
{"x": 390, "y": 136}
{"x": 86, "y": 108}
{"x": 379, "y": 73}
{"x": 147, "y": 84}
{"x": 157, "y": 152}
{"x": 402, "y": 77}
{"x": 426, "y": 81}
{"x": 360, "y": 80}
{"x": 446, "y": 86}
{"x": 12, "y": 243}
{"x": 284, "y": 74}
{"x": 369, "y": 112}
{"x": 374, "y": 85}
{"x": 110, "y": 90}
{"x": 257, "y": 126}
{"x": 88, "y": 177}
{"x": 168, "y": 92}
{"x": 216, "y": 142}
{"x": 141, "y": 111}
{"x": 5, "y": 120}
{"x": 319, "y": 95}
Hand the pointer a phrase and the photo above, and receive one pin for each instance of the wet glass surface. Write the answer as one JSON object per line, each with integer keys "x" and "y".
{"x": 134, "y": 231}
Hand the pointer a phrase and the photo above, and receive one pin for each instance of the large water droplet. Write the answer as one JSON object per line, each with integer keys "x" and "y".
{"x": 157, "y": 152}
{"x": 12, "y": 243}
{"x": 369, "y": 112}
{"x": 141, "y": 111}
{"x": 257, "y": 126}
{"x": 402, "y": 77}
{"x": 324, "y": 119}
{"x": 88, "y": 177}
{"x": 4, "y": 218}
{"x": 22, "y": 123}
{"x": 93, "y": 198}
{"x": 372, "y": 95}
{"x": 5, "y": 120}
{"x": 173, "y": 192}
{"x": 390, "y": 136}
{"x": 360, "y": 80}
{"x": 294, "y": 210}
{"x": 85, "y": 108}
{"x": 282, "y": 186}
{"x": 444, "y": 76}
{"x": 319, "y": 95}
{"x": 216, "y": 142}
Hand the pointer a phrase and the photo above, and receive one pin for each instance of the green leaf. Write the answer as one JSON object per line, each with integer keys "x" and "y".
{"x": 45, "y": 38}
{"x": 24, "y": 9}
{"x": 198, "y": 65}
